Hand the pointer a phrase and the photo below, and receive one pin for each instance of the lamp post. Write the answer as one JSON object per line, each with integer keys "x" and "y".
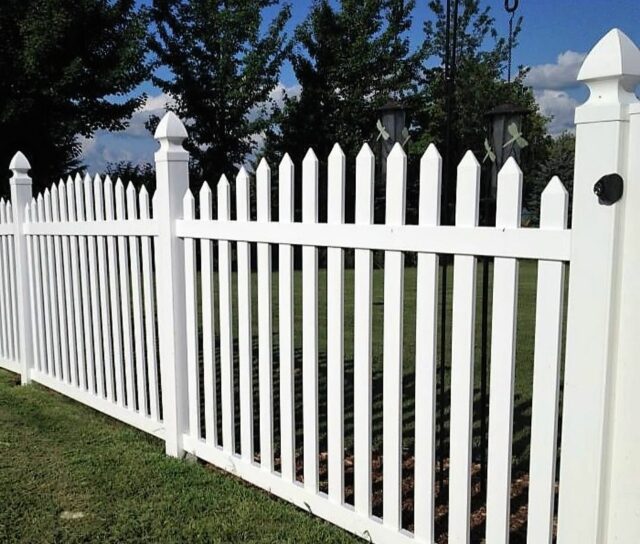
{"x": 392, "y": 128}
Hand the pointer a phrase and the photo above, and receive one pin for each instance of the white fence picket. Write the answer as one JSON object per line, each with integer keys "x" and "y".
{"x": 462, "y": 356}
{"x": 546, "y": 373}
{"x": 46, "y": 291}
{"x": 12, "y": 288}
{"x": 362, "y": 323}
{"x": 53, "y": 290}
{"x": 125, "y": 299}
{"x": 245, "y": 340}
{"x": 136, "y": 304}
{"x": 60, "y": 287}
{"x": 503, "y": 359}
{"x": 67, "y": 287}
{"x": 265, "y": 352}
{"x": 85, "y": 303}
{"x": 426, "y": 352}
{"x": 100, "y": 311}
{"x": 148, "y": 285}
{"x": 191, "y": 310}
{"x": 226, "y": 321}
{"x": 33, "y": 288}
{"x": 335, "y": 330}
{"x": 393, "y": 345}
{"x": 74, "y": 288}
{"x": 310, "y": 326}
{"x": 208, "y": 321}
{"x": 4, "y": 304}
{"x": 114, "y": 297}
{"x": 286, "y": 325}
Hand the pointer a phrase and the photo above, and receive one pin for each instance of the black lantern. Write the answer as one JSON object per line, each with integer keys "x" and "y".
{"x": 505, "y": 138}
{"x": 391, "y": 128}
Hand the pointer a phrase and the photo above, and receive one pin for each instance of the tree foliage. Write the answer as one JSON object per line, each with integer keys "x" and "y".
{"x": 67, "y": 68}
{"x": 559, "y": 162}
{"x": 348, "y": 59}
{"x": 141, "y": 175}
{"x": 223, "y": 68}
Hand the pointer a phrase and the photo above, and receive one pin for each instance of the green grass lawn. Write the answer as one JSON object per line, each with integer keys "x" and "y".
{"x": 59, "y": 458}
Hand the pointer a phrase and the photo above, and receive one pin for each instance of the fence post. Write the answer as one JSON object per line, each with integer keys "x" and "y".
{"x": 603, "y": 304}
{"x": 172, "y": 181}
{"x": 21, "y": 194}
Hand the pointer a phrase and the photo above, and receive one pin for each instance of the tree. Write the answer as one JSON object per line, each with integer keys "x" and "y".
{"x": 61, "y": 64}
{"x": 349, "y": 60}
{"x": 223, "y": 69}
{"x": 560, "y": 162}
{"x": 481, "y": 56}
{"x": 139, "y": 174}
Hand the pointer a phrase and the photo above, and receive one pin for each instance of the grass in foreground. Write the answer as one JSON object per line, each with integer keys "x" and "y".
{"x": 59, "y": 459}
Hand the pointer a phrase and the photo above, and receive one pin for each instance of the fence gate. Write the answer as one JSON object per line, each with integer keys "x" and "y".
{"x": 186, "y": 318}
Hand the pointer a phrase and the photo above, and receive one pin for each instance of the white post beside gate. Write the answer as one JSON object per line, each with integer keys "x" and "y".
{"x": 599, "y": 478}
{"x": 21, "y": 194}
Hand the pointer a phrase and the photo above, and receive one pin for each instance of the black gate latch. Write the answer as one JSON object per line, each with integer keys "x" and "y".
{"x": 608, "y": 189}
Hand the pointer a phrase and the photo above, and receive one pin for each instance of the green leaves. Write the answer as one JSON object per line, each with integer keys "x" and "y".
{"x": 61, "y": 64}
{"x": 224, "y": 64}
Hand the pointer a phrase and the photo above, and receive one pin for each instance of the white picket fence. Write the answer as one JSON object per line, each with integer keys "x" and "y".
{"x": 132, "y": 313}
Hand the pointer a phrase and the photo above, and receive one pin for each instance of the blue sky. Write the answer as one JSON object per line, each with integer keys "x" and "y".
{"x": 555, "y": 37}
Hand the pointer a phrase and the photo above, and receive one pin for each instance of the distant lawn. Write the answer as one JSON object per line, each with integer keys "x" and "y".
{"x": 59, "y": 458}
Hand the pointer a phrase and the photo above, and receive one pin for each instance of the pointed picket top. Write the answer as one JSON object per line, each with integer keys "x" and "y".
{"x": 34, "y": 210}
{"x": 62, "y": 196}
{"x": 554, "y": 205}
{"x": 19, "y": 163}
{"x": 310, "y": 187}
{"x": 55, "y": 203}
{"x": 509, "y": 195}
{"x": 71, "y": 198}
{"x": 335, "y": 186}
{"x": 223, "y": 198}
{"x": 143, "y": 201}
{"x": 9, "y": 212}
{"x": 108, "y": 198}
{"x": 468, "y": 191}
{"x": 396, "y": 186}
{"x": 365, "y": 179}
{"x": 286, "y": 161}
{"x": 263, "y": 166}
{"x": 189, "y": 205}
{"x": 397, "y": 151}
{"x": 286, "y": 172}
{"x": 132, "y": 201}
{"x": 48, "y": 216}
{"x": 242, "y": 195}
{"x": 430, "y": 186}
{"x": 614, "y": 56}
{"x": 3, "y": 212}
{"x": 120, "y": 200}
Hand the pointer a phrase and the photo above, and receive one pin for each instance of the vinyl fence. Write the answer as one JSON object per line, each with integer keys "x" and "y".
{"x": 145, "y": 311}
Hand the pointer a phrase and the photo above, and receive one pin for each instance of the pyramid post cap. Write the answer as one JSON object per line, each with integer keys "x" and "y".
{"x": 614, "y": 56}
{"x": 170, "y": 128}
{"x": 19, "y": 163}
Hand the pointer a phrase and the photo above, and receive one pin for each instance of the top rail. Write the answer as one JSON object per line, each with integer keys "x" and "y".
{"x": 521, "y": 243}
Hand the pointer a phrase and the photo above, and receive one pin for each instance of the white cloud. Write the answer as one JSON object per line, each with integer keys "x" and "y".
{"x": 557, "y": 76}
{"x": 560, "y": 106}
{"x": 135, "y": 143}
